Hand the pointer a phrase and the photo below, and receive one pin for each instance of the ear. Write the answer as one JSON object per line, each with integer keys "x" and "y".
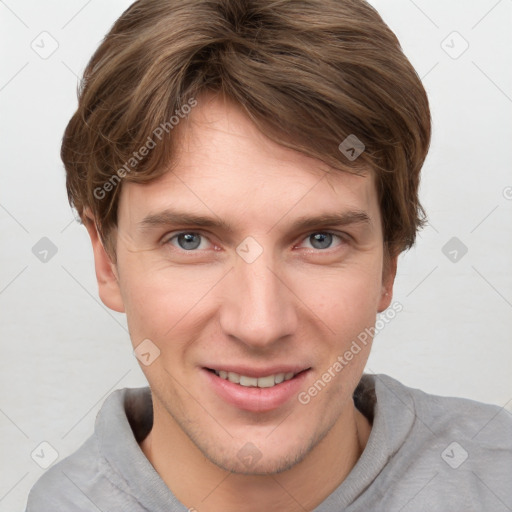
{"x": 388, "y": 279}
{"x": 106, "y": 271}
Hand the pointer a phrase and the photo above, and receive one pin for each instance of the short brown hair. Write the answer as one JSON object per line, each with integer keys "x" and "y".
{"x": 309, "y": 73}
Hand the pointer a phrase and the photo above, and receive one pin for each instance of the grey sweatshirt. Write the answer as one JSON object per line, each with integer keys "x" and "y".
{"x": 425, "y": 453}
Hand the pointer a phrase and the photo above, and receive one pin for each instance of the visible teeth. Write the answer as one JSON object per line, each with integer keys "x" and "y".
{"x": 260, "y": 382}
{"x": 233, "y": 377}
{"x": 248, "y": 381}
{"x": 266, "y": 382}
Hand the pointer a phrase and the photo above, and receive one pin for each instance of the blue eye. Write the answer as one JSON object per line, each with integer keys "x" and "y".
{"x": 187, "y": 240}
{"x": 322, "y": 239}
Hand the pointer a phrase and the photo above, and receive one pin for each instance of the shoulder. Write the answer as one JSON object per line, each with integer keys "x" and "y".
{"x": 398, "y": 404}
{"x": 87, "y": 480}
{"x": 82, "y": 482}
{"x": 67, "y": 484}
{"x": 454, "y": 448}
{"x": 487, "y": 424}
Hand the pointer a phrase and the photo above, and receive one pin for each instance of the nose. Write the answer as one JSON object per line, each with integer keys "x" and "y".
{"x": 258, "y": 304}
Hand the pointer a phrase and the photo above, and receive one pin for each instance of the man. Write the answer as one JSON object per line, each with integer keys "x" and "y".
{"x": 248, "y": 173}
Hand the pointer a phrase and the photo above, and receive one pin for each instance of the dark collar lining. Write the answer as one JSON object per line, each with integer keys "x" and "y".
{"x": 365, "y": 398}
{"x": 139, "y": 412}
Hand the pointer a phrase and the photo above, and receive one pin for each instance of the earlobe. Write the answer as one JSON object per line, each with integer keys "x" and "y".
{"x": 388, "y": 279}
{"x": 106, "y": 272}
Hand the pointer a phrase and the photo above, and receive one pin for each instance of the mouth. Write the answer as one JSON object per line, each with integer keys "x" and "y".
{"x": 256, "y": 391}
{"x": 268, "y": 381}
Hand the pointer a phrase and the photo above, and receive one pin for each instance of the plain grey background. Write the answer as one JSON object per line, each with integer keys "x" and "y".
{"x": 63, "y": 352}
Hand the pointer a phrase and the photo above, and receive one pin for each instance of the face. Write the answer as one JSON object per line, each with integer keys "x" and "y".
{"x": 269, "y": 285}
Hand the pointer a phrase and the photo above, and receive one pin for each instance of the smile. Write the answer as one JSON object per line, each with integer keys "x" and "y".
{"x": 253, "y": 382}
{"x": 262, "y": 390}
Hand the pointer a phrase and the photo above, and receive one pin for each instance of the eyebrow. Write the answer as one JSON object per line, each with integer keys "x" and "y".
{"x": 171, "y": 217}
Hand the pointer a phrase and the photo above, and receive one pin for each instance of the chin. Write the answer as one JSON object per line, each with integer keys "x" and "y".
{"x": 261, "y": 456}
{"x": 260, "y": 465}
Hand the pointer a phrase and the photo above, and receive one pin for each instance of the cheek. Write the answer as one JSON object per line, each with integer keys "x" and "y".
{"x": 345, "y": 298}
{"x": 159, "y": 301}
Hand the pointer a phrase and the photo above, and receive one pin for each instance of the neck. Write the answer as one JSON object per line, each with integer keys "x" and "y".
{"x": 200, "y": 484}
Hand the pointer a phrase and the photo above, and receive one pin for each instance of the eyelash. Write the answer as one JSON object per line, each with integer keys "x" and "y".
{"x": 343, "y": 238}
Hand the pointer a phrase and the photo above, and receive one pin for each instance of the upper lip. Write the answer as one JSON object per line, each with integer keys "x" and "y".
{"x": 251, "y": 371}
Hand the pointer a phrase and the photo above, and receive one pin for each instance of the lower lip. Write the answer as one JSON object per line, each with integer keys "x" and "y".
{"x": 255, "y": 399}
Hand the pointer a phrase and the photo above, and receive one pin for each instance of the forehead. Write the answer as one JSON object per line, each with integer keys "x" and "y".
{"x": 224, "y": 164}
